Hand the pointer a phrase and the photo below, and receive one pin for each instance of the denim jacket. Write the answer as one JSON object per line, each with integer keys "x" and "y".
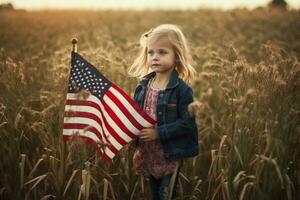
{"x": 176, "y": 128}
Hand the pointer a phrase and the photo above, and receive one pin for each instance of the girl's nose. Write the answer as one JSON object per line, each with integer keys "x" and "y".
{"x": 155, "y": 57}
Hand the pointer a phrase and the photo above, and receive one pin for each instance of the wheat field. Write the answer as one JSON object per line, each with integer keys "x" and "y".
{"x": 246, "y": 93}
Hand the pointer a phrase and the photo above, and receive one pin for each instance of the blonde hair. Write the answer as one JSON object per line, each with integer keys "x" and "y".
{"x": 186, "y": 71}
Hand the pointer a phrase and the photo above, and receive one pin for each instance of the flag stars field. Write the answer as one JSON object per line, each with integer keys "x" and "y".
{"x": 86, "y": 79}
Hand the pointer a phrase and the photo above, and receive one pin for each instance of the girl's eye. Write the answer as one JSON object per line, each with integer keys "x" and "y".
{"x": 162, "y": 52}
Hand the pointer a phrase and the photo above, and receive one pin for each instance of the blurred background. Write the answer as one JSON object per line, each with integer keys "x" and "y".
{"x": 144, "y": 4}
{"x": 246, "y": 92}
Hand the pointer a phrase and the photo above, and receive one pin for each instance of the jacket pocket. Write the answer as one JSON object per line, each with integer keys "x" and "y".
{"x": 171, "y": 105}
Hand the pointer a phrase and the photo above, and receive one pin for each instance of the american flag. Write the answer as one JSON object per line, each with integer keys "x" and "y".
{"x": 99, "y": 112}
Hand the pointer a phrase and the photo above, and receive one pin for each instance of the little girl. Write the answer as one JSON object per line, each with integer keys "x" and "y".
{"x": 164, "y": 67}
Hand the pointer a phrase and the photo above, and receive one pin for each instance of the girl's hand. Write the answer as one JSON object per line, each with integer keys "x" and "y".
{"x": 148, "y": 134}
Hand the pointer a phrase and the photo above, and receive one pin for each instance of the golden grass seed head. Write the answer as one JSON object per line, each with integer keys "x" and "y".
{"x": 82, "y": 94}
{"x": 195, "y": 108}
{"x": 232, "y": 54}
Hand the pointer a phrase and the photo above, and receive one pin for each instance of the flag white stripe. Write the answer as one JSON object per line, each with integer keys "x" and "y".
{"x": 121, "y": 115}
{"x": 96, "y": 112}
{"x": 90, "y": 135}
{"x": 109, "y": 153}
{"x": 73, "y": 96}
{"x": 129, "y": 107}
{"x": 83, "y": 120}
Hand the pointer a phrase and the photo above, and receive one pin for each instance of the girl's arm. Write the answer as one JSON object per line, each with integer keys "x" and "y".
{"x": 185, "y": 124}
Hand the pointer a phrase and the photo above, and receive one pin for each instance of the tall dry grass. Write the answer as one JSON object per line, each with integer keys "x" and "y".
{"x": 246, "y": 92}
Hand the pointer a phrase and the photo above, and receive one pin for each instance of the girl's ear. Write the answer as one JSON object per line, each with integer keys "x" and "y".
{"x": 177, "y": 61}
{"x": 176, "y": 58}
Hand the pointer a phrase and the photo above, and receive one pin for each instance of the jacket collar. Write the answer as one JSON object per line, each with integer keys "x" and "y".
{"x": 173, "y": 82}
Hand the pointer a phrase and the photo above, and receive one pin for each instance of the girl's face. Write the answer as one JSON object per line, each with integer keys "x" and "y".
{"x": 161, "y": 56}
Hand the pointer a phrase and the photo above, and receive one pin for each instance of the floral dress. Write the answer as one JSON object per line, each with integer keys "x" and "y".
{"x": 148, "y": 158}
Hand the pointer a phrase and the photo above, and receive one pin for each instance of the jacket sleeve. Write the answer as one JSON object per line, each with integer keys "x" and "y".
{"x": 185, "y": 124}
{"x": 135, "y": 94}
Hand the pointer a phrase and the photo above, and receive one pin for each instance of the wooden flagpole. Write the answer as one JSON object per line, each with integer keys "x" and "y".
{"x": 63, "y": 146}
{"x": 74, "y": 42}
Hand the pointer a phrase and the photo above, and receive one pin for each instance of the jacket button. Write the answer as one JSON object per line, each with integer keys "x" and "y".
{"x": 159, "y": 113}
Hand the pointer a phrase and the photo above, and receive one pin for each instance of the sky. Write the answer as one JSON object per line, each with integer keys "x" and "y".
{"x": 141, "y": 4}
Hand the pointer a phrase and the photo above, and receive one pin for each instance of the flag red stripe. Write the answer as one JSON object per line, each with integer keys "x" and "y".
{"x": 87, "y": 115}
{"x": 134, "y": 105}
{"x": 82, "y": 127}
{"x": 124, "y": 110}
{"x": 88, "y": 141}
{"x": 117, "y": 120}
{"x": 73, "y": 102}
{"x": 93, "y": 130}
{"x": 111, "y": 131}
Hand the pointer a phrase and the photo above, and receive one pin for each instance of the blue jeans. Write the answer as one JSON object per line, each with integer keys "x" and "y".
{"x": 160, "y": 187}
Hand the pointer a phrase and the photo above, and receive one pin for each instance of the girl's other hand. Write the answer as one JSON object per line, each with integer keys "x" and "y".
{"x": 148, "y": 134}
